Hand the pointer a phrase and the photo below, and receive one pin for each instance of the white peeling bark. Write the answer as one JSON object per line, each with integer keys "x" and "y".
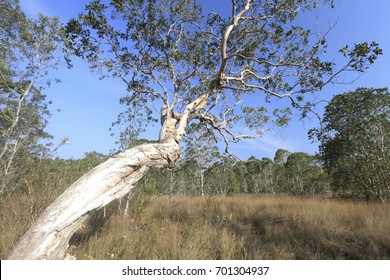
{"x": 49, "y": 237}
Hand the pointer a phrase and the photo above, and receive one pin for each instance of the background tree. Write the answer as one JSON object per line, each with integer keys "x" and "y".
{"x": 252, "y": 174}
{"x": 303, "y": 173}
{"x": 355, "y": 142}
{"x": 201, "y": 147}
{"x": 197, "y": 66}
{"x": 222, "y": 177}
{"x": 267, "y": 178}
{"x": 281, "y": 156}
{"x": 28, "y": 51}
{"x": 256, "y": 175}
{"x": 131, "y": 123}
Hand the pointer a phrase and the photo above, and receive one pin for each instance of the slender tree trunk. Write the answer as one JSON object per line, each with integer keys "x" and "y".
{"x": 49, "y": 237}
{"x": 15, "y": 122}
{"x": 201, "y": 182}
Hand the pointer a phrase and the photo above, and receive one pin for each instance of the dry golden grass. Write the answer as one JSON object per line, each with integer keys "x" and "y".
{"x": 18, "y": 212}
{"x": 234, "y": 227}
{"x": 241, "y": 227}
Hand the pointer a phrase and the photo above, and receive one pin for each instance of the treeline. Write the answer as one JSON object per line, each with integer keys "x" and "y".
{"x": 293, "y": 173}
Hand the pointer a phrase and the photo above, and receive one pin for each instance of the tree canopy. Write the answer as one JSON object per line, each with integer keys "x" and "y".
{"x": 217, "y": 69}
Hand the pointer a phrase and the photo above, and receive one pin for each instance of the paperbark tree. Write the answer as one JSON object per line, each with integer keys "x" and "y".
{"x": 216, "y": 69}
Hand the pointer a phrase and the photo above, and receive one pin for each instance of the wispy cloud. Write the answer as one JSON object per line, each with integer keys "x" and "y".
{"x": 267, "y": 145}
{"x": 33, "y": 7}
{"x": 262, "y": 147}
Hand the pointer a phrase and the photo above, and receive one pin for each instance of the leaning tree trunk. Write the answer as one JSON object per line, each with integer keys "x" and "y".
{"x": 49, "y": 237}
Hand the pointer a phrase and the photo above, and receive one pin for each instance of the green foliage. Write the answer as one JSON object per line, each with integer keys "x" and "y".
{"x": 172, "y": 52}
{"x": 304, "y": 173}
{"x": 131, "y": 123}
{"x": 281, "y": 156}
{"x": 144, "y": 52}
{"x": 362, "y": 55}
{"x": 354, "y": 142}
{"x": 29, "y": 49}
{"x": 44, "y": 175}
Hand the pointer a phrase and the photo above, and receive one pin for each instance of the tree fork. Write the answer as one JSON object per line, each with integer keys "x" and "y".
{"x": 48, "y": 237}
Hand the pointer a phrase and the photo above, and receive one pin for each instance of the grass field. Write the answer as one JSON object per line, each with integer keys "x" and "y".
{"x": 233, "y": 227}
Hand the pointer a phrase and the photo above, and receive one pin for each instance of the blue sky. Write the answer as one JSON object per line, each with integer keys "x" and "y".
{"x": 88, "y": 105}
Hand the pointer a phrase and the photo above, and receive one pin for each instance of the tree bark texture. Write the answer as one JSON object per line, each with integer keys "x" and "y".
{"x": 49, "y": 237}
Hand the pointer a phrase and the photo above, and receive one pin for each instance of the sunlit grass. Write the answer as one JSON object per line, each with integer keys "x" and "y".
{"x": 215, "y": 227}
{"x": 242, "y": 227}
